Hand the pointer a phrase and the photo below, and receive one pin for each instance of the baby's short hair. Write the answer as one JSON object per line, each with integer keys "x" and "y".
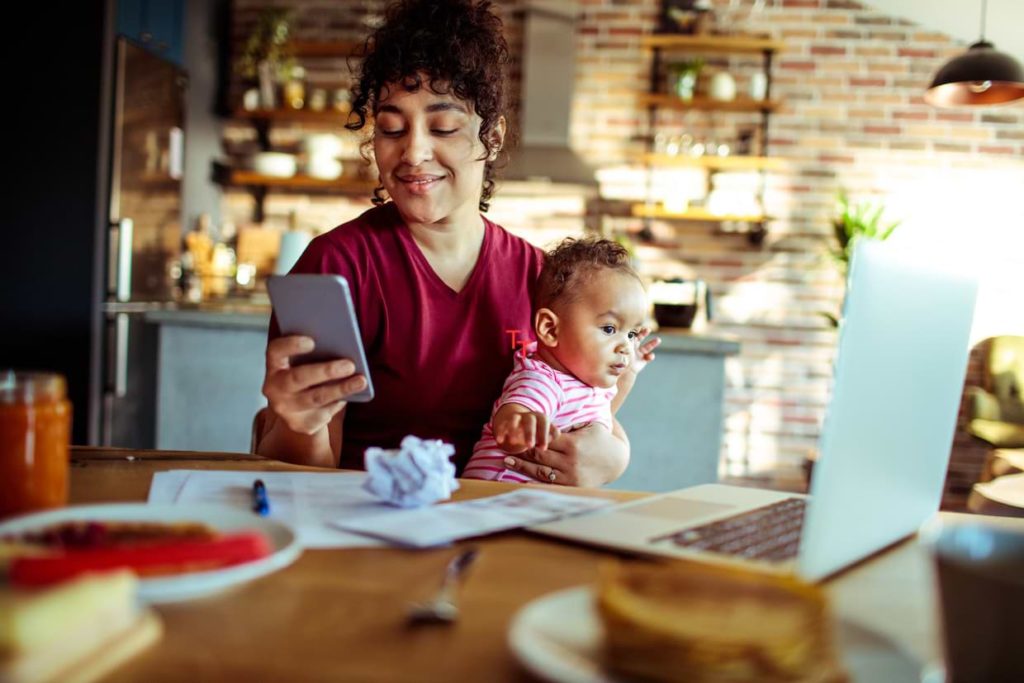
{"x": 572, "y": 263}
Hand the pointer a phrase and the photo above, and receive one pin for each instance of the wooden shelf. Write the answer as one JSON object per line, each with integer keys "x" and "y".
{"x": 337, "y": 48}
{"x": 707, "y": 104}
{"x": 343, "y": 185}
{"x": 726, "y": 163}
{"x": 711, "y": 43}
{"x": 647, "y": 211}
{"x": 326, "y": 117}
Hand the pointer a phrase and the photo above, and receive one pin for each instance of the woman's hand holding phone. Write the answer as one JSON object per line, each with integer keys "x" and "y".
{"x": 306, "y": 397}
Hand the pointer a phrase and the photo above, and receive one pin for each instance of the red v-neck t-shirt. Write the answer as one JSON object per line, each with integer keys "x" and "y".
{"x": 438, "y": 358}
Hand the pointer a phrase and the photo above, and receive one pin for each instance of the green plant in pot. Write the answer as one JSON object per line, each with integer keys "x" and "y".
{"x": 682, "y": 77}
{"x": 853, "y": 222}
{"x": 266, "y": 57}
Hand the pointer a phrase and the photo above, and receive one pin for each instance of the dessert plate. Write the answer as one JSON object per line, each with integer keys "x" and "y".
{"x": 284, "y": 545}
{"x": 557, "y": 637}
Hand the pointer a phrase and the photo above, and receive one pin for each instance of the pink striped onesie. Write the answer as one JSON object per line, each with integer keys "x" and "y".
{"x": 542, "y": 389}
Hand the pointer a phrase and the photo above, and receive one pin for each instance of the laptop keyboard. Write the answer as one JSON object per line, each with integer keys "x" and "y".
{"x": 771, "y": 532}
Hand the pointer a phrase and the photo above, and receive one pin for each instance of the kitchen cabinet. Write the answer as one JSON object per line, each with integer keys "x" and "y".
{"x": 353, "y": 182}
{"x": 753, "y": 159}
{"x": 156, "y": 25}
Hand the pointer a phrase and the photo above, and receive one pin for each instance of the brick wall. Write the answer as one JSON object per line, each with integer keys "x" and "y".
{"x": 851, "y": 79}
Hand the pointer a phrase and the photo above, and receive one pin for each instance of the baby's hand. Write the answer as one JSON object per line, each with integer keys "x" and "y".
{"x": 517, "y": 429}
{"x": 643, "y": 350}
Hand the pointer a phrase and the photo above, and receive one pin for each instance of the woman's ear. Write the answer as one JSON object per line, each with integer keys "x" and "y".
{"x": 497, "y": 138}
{"x": 545, "y": 324}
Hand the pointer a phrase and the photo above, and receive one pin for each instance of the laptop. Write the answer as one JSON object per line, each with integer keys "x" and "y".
{"x": 883, "y": 450}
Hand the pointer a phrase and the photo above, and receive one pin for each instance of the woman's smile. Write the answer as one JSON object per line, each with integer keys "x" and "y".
{"x": 420, "y": 184}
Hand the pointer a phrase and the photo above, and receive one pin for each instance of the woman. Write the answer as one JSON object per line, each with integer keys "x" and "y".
{"x": 436, "y": 286}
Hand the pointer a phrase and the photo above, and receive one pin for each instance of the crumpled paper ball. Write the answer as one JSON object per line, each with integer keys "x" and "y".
{"x": 419, "y": 473}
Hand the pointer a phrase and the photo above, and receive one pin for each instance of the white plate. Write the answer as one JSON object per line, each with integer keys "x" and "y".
{"x": 284, "y": 545}
{"x": 557, "y": 637}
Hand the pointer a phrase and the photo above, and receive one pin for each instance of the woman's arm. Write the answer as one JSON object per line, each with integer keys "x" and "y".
{"x": 307, "y": 404}
{"x": 591, "y": 456}
{"x": 320, "y": 449}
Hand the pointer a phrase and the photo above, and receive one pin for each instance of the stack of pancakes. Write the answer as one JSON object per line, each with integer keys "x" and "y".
{"x": 686, "y": 621}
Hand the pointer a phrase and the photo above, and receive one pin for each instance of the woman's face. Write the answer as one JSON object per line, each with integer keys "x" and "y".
{"x": 429, "y": 154}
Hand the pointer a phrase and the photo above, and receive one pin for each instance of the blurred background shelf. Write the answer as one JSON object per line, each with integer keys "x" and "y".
{"x": 330, "y": 117}
{"x": 343, "y": 185}
{"x": 647, "y": 211}
{"x": 259, "y": 185}
{"x": 334, "y": 48}
{"x": 714, "y": 162}
{"x": 710, "y": 43}
{"x": 706, "y": 103}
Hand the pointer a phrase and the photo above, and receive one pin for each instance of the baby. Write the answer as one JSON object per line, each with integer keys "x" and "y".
{"x": 589, "y": 310}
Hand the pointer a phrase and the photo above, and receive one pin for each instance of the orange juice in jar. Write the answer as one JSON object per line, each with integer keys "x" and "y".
{"x": 35, "y": 431}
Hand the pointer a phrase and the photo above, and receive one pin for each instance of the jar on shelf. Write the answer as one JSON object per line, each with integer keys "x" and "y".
{"x": 295, "y": 89}
{"x": 318, "y": 99}
{"x": 342, "y": 101}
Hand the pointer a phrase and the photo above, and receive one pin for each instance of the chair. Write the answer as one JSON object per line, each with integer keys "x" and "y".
{"x": 995, "y": 410}
{"x": 259, "y": 420}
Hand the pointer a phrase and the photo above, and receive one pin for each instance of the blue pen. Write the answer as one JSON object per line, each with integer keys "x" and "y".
{"x": 260, "y": 502}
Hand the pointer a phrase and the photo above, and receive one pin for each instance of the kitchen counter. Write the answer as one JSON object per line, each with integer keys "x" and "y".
{"x": 680, "y": 340}
{"x": 211, "y": 365}
{"x": 217, "y": 317}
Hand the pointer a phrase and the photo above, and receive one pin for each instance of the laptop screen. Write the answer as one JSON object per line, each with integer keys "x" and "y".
{"x": 886, "y": 440}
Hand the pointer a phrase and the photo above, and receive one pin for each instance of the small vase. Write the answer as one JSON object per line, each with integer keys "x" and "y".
{"x": 723, "y": 87}
{"x": 758, "y": 85}
{"x": 685, "y": 84}
{"x": 268, "y": 90}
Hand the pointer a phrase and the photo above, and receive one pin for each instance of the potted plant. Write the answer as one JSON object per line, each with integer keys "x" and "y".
{"x": 682, "y": 77}
{"x": 853, "y": 222}
{"x": 861, "y": 220}
{"x": 266, "y": 57}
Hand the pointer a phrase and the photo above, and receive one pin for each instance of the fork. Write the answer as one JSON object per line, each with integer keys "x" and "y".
{"x": 442, "y": 608}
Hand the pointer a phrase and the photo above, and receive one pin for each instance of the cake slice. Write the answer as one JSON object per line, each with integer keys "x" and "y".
{"x": 687, "y": 621}
{"x": 76, "y": 631}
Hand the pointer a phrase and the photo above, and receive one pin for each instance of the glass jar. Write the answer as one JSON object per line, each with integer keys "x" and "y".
{"x": 35, "y": 431}
{"x": 295, "y": 89}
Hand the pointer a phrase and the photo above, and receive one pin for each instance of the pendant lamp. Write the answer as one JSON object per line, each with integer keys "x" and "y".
{"x": 979, "y": 77}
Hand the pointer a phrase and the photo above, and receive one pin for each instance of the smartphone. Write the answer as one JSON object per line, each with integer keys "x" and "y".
{"x": 320, "y": 307}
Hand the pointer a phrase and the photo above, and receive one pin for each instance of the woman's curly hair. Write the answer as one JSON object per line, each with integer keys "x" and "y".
{"x": 572, "y": 262}
{"x": 456, "y": 44}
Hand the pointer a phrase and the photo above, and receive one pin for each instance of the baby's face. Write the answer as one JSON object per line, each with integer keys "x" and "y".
{"x": 597, "y": 334}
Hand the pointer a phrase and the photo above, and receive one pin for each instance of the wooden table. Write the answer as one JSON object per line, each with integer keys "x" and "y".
{"x": 338, "y": 614}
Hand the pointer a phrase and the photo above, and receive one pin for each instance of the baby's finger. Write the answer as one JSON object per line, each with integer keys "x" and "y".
{"x": 649, "y": 346}
{"x": 529, "y": 432}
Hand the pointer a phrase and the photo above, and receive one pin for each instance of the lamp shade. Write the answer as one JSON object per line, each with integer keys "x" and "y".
{"x": 980, "y": 76}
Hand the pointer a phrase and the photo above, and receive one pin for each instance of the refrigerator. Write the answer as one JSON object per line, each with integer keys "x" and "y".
{"x": 144, "y": 236}
{"x": 93, "y": 217}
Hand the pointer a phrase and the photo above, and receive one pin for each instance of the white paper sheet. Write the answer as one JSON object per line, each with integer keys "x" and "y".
{"x": 303, "y": 500}
{"x": 165, "y": 486}
{"x": 441, "y": 524}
